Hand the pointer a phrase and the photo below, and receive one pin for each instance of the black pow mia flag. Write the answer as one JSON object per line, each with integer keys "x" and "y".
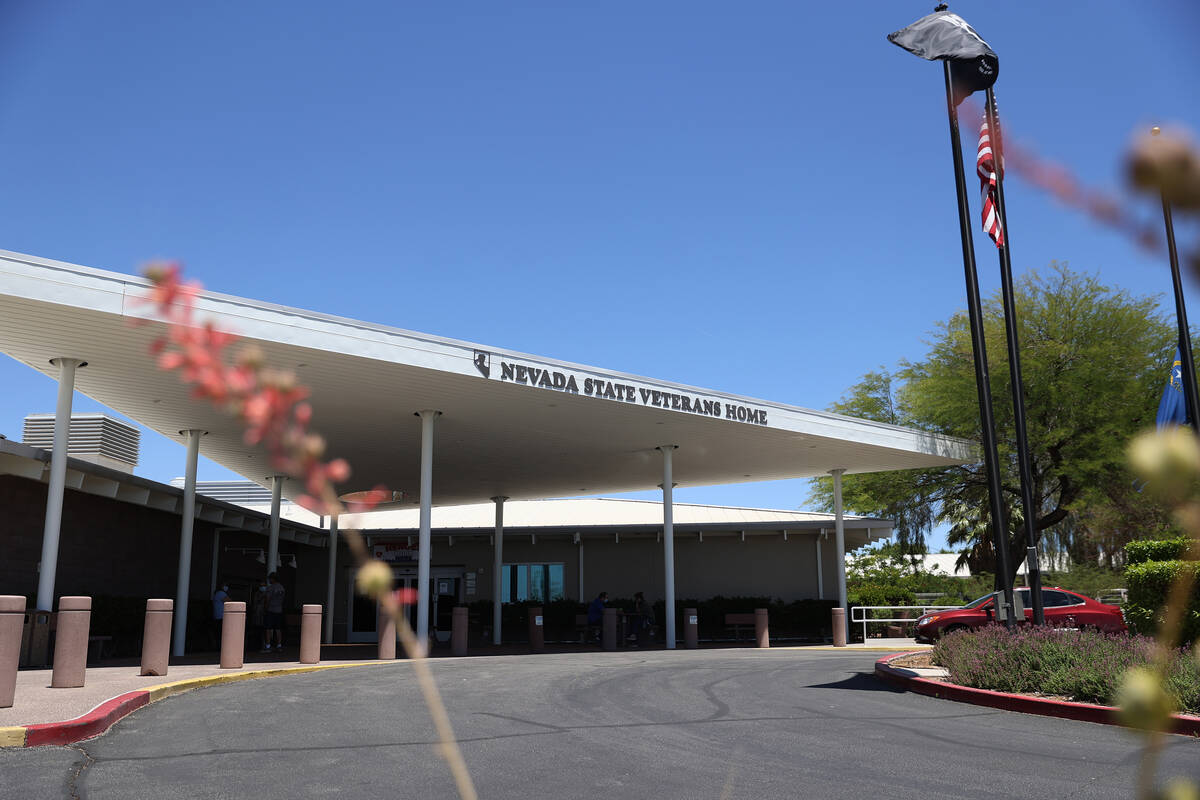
{"x": 947, "y": 37}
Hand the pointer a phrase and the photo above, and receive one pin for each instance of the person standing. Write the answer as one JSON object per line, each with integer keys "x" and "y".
{"x": 595, "y": 614}
{"x": 258, "y": 614}
{"x": 218, "y": 611}
{"x": 274, "y": 621}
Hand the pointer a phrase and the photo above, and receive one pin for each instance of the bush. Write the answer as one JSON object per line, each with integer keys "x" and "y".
{"x": 1086, "y": 666}
{"x": 1149, "y": 582}
{"x": 1143, "y": 550}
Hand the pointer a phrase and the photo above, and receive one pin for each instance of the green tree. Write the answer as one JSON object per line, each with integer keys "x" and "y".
{"x": 1094, "y": 360}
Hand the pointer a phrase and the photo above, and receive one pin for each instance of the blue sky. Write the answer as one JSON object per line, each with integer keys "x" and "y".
{"x": 756, "y": 200}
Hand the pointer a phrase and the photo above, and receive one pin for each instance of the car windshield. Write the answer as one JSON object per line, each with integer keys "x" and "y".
{"x": 979, "y": 601}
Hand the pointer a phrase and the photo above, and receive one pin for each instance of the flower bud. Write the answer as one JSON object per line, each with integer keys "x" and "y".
{"x": 373, "y": 578}
{"x": 1180, "y": 789}
{"x": 1168, "y": 460}
{"x": 1142, "y": 702}
{"x": 251, "y": 356}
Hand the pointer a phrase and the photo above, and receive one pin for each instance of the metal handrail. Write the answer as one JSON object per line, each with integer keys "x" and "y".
{"x": 863, "y": 617}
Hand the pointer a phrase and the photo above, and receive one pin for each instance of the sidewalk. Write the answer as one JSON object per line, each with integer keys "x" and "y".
{"x": 117, "y": 686}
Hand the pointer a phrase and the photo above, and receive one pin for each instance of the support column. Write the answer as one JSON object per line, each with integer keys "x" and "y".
{"x": 840, "y": 535}
{"x": 582, "y": 596}
{"x": 427, "y": 417}
{"x": 820, "y": 568}
{"x": 331, "y": 578}
{"x": 212, "y": 578}
{"x": 668, "y": 544}
{"x": 187, "y": 521}
{"x": 58, "y": 480}
{"x": 497, "y": 568}
{"x": 273, "y": 538}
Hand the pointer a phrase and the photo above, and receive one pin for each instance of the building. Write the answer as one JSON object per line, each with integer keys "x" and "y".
{"x": 441, "y": 422}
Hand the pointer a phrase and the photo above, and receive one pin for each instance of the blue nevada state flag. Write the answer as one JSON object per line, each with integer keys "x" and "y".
{"x": 1172, "y": 410}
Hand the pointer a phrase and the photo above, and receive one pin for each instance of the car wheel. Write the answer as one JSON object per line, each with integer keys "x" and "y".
{"x": 954, "y": 629}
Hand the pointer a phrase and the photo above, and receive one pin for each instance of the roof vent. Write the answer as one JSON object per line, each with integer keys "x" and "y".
{"x": 97, "y": 438}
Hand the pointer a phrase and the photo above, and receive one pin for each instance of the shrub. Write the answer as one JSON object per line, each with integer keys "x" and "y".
{"x": 1143, "y": 550}
{"x": 1149, "y": 582}
{"x": 1086, "y": 666}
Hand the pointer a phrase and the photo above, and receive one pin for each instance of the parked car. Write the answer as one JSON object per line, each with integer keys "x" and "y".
{"x": 1064, "y": 609}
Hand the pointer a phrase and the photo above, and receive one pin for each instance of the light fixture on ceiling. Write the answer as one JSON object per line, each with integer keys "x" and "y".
{"x": 259, "y": 554}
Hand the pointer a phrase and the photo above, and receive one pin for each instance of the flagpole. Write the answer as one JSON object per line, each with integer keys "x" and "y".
{"x": 1033, "y": 572}
{"x": 1188, "y": 366}
{"x": 982, "y": 382}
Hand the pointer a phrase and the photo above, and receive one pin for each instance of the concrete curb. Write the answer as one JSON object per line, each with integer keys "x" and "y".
{"x": 1065, "y": 709}
{"x": 102, "y": 717}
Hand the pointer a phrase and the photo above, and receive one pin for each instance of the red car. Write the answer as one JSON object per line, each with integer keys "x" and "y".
{"x": 1064, "y": 609}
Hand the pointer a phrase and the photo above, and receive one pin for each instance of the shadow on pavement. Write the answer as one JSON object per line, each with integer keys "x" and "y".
{"x": 860, "y": 682}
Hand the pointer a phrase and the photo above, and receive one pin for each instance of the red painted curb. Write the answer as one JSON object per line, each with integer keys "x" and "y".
{"x": 1065, "y": 709}
{"x": 93, "y": 723}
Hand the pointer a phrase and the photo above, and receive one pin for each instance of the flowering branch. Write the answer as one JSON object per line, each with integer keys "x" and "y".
{"x": 276, "y": 414}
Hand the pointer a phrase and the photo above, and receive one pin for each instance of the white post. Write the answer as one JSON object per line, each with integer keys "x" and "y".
{"x": 820, "y": 573}
{"x": 498, "y": 568}
{"x": 668, "y": 544}
{"x": 273, "y": 538}
{"x": 423, "y": 542}
{"x": 58, "y": 480}
{"x": 187, "y": 520}
{"x": 212, "y": 582}
{"x": 840, "y": 535}
{"x": 331, "y": 578}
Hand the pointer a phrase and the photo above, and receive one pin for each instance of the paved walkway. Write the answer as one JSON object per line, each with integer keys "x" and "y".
{"x": 38, "y": 704}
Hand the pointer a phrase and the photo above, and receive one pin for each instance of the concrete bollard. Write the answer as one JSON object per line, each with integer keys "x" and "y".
{"x": 310, "y": 634}
{"x": 12, "y": 625}
{"x": 537, "y": 630}
{"x": 839, "y": 627}
{"x": 387, "y": 636}
{"x": 156, "y": 637}
{"x": 762, "y": 634}
{"x": 609, "y": 637}
{"x": 233, "y": 635}
{"x": 458, "y": 631}
{"x": 691, "y": 629}
{"x": 71, "y": 642}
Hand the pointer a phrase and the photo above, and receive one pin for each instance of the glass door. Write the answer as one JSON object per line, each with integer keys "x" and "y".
{"x": 364, "y": 612}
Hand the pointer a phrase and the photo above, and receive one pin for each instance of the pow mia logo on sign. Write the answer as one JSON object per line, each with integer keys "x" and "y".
{"x": 483, "y": 363}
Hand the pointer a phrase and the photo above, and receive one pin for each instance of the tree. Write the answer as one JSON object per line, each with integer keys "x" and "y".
{"x": 1094, "y": 358}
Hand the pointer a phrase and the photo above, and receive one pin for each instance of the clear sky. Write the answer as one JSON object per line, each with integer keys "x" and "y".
{"x": 755, "y": 199}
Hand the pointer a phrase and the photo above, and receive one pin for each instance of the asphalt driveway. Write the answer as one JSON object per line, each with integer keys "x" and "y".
{"x": 717, "y": 724}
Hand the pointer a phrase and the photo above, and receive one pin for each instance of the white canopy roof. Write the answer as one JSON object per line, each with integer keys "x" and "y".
{"x": 512, "y": 424}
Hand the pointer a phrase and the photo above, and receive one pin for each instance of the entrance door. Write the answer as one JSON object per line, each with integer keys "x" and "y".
{"x": 447, "y": 591}
{"x": 364, "y": 612}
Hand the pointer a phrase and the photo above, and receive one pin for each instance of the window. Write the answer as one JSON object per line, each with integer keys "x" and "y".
{"x": 537, "y": 582}
{"x": 1053, "y": 599}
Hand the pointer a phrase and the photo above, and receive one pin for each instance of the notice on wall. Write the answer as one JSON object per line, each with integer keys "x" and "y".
{"x": 393, "y": 552}
{"x": 469, "y": 583}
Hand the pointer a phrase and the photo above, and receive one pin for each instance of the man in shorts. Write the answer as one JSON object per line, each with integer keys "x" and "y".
{"x": 274, "y": 623}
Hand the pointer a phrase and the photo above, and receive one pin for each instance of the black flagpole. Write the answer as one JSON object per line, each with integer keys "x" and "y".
{"x": 1188, "y": 367}
{"x": 982, "y": 384}
{"x": 1033, "y": 570}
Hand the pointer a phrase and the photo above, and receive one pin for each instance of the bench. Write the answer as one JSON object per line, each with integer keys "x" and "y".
{"x": 737, "y": 622}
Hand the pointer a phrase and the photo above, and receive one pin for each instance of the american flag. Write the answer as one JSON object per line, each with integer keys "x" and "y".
{"x": 985, "y": 165}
